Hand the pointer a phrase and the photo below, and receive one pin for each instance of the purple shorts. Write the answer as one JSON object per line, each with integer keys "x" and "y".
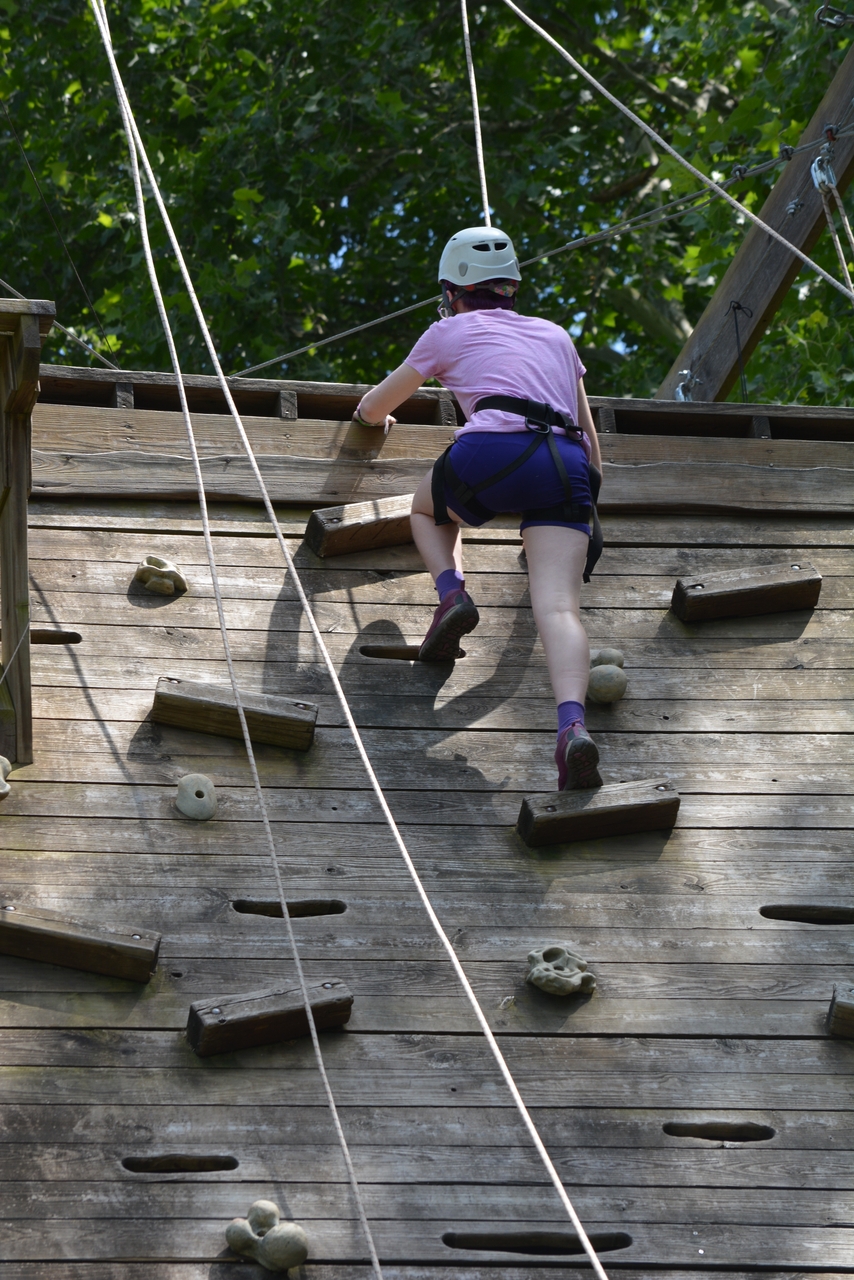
{"x": 534, "y": 485}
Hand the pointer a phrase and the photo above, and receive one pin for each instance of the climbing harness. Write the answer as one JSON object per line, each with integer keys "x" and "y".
{"x": 540, "y": 419}
{"x": 137, "y": 148}
{"x": 734, "y": 308}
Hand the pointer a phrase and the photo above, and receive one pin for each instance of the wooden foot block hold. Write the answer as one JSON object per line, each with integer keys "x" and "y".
{"x": 741, "y": 593}
{"x": 360, "y": 526}
{"x": 264, "y": 1017}
{"x": 37, "y": 934}
{"x": 840, "y": 1016}
{"x": 210, "y": 708}
{"x": 619, "y": 809}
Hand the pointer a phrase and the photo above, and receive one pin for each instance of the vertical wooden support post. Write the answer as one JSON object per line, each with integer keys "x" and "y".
{"x": 23, "y": 327}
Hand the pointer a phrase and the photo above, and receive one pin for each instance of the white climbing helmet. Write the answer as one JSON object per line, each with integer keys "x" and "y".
{"x": 478, "y": 253}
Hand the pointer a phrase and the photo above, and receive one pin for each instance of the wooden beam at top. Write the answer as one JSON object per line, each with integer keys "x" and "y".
{"x": 762, "y": 271}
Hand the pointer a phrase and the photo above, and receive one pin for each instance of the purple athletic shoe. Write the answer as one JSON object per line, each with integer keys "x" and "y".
{"x": 455, "y": 617}
{"x": 576, "y": 758}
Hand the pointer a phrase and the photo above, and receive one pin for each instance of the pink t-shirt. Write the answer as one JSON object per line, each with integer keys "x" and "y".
{"x": 483, "y": 353}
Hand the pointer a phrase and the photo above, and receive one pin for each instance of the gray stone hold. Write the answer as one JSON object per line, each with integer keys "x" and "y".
{"x": 607, "y": 658}
{"x": 5, "y": 769}
{"x": 196, "y": 796}
{"x": 560, "y": 972}
{"x": 607, "y": 684}
{"x": 261, "y": 1235}
{"x": 160, "y": 576}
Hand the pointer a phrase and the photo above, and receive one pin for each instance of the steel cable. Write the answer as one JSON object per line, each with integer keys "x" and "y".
{"x": 640, "y": 221}
{"x": 741, "y": 209}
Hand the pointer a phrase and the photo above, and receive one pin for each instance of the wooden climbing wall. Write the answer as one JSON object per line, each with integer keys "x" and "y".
{"x": 707, "y": 1012}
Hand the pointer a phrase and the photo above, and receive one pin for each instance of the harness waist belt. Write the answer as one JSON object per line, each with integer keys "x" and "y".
{"x": 535, "y": 413}
{"x": 540, "y": 419}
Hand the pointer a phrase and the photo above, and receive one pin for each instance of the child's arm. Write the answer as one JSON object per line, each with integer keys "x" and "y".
{"x": 377, "y": 405}
{"x": 585, "y": 421}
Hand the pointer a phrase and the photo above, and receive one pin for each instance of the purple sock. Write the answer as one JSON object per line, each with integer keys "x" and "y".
{"x": 450, "y": 580}
{"x": 568, "y": 713}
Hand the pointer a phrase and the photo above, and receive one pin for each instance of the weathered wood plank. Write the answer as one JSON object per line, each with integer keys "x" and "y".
{"x": 395, "y": 623}
{"x": 77, "y": 429}
{"x": 493, "y": 670}
{"x": 76, "y": 751}
{"x": 249, "y": 551}
{"x": 497, "y": 1158}
{"x": 744, "y": 592}
{"x": 378, "y": 586}
{"x": 334, "y": 1240}
{"x": 232, "y": 1021}
{"x": 607, "y": 1135}
{"x": 209, "y": 708}
{"x": 622, "y": 808}
{"x": 38, "y": 934}
{"x": 469, "y": 712}
{"x": 627, "y": 488}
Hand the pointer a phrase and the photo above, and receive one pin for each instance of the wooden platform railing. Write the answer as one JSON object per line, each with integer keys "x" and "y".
{"x": 23, "y": 328}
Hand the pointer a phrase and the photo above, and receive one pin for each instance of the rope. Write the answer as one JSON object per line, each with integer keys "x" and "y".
{"x": 843, "y": 215}
{"x": 136, "y": 142}
{"x": 62, "y": 329}
{"x": 686, "y": 164}
{"x": 699, "y": 200}
{"x": 475, "y": 110}
{"x": 56, "y": 228}
{"x": 834, "y": 235}
{"x": 135, "y": 147}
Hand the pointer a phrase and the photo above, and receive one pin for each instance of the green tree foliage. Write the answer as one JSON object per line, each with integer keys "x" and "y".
{"x": 316, "y": 155}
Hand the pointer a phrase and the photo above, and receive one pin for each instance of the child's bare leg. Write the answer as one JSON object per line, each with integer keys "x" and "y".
{"x": 441, "y": 550}
{"x": 556, "y": 559}
{"x": 440, "y": 545}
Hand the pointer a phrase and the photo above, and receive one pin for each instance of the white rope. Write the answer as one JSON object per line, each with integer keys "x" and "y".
{"x": 639, "y": 222}
{"x": 475, "y": 110}
{"x": 135, "y": 146}
{"x": 844, "y": 216}
{"x": 834, "y": 235}
{"x": 707, "y": 182}
{"x": 553, "y": 1174}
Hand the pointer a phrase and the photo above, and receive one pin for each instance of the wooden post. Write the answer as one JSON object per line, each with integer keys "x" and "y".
{"x": 762, "y": 271}
{"x": 23, "y": 328}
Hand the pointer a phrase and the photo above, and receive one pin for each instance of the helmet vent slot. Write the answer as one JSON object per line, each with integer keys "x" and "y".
{"x": 482, "y": 248}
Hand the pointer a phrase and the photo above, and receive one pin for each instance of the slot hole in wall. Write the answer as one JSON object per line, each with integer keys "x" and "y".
{"x": 297, "y": 910}
{"x": 808, "y": 913}
{"x": 720, "y": 1130}
{"x": 534, "y": 1243}
{"x": 179, "y": 1164}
